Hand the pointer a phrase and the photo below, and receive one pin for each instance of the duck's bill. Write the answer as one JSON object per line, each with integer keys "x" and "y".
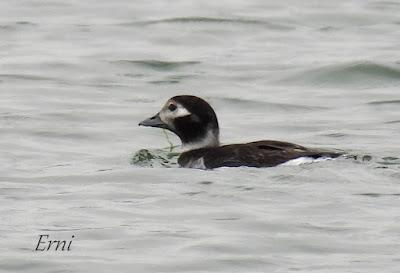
{"x": 154, "y": 121}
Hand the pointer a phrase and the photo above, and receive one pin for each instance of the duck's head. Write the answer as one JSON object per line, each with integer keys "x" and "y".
{"x": 191, "y": 118}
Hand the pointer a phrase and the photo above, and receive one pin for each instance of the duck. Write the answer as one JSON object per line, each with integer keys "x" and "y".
{"x": 195, "y": 122}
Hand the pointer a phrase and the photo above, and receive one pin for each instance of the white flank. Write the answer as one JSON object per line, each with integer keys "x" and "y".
{"x": 196, "y": 164}
{"x": 305, "y": 160}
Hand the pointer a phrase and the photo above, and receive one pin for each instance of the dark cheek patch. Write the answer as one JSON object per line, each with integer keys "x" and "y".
{"x": 194, "y": 118}
{"x": 188, "y": 130}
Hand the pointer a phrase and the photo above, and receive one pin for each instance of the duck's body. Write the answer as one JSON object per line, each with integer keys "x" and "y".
{"x": 195, "y": 123}
{"x": 264, "y": 153}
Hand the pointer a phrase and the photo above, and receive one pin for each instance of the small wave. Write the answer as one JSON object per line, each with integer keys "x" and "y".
{"x": 335, "y": 135}
{"x": 25, "y": 23}
{"x": 373, "y": 194}
{"x": 7, "y": 27}
{"x": 382, "y": 102}
{"x": 53, "y": 135}
{"x": 16, "y": 25}
{"x": 132, "y": 75}
{"x": 245, "y": 103}
{"x": 358, "y": 75}
{"x": 384, "y": 5}
{"x": 164, "y": 82}
{"x": 329, "y": 29}
{"x": 200, "y": 19}
{"x": 377, "y": 162}
{"x": 392, "y": 121}
{"x": 12, "y": 117}
{"x": 157, "y": 64}
{"x": 25, "y": 77}
{"x": 213, "y": 20}
{"x": 172, "y": 79}
{"x": 389, "y": 160}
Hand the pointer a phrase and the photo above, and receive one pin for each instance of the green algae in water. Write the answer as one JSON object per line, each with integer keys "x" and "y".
{"x": 171, "y": 146}
{"x": 165, "y": 157}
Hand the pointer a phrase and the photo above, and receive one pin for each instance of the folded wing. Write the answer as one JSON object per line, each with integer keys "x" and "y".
{"x": 265, "y": 153}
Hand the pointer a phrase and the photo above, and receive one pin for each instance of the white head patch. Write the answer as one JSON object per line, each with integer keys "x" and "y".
{"x": 171, "y": 111}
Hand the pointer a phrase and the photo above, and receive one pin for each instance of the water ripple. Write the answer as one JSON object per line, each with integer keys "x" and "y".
{"x": 157, "y": 64}
{"x": 240, "y": 103}
{"x": 213, "y": 20}
{"x": 14, "y": 26}
{"x": 372, "y": 194}
{"x": 25, "y": 77}
{"x": 381, "y": 102}
{"x": 358, "y": 75}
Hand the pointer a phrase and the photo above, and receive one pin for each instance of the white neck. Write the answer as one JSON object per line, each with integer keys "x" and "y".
{"x": 211, "y": 139}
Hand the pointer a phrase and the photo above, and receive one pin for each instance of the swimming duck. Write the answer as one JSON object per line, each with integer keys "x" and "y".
{"x": 194, "y": 121}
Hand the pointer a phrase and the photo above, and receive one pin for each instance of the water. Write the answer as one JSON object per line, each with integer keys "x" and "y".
{"x": 77, "y": 76}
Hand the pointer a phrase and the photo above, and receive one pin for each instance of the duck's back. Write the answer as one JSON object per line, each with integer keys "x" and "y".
{"x": 266, "y": 153}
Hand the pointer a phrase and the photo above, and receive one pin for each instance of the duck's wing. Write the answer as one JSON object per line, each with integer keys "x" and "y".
{"x": 266, "y": 153}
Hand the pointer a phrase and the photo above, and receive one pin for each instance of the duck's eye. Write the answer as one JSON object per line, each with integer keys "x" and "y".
{"x": 172, "y": 107}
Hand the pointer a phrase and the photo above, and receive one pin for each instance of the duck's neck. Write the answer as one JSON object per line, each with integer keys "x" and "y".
{"x": 210, "y": 139}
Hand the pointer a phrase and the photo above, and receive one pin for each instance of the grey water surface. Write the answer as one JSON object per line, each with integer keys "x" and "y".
{"x": 76, "y": 77}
